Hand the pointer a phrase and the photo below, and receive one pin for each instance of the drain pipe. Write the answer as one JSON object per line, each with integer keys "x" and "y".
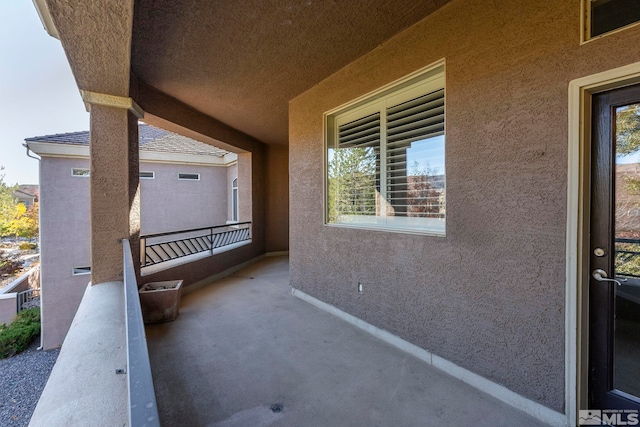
{"x": 29, "y": 151}
{"x": 39, "y": 240}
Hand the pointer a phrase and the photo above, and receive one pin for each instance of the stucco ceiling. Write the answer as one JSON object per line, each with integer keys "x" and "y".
{"x": 242, "y": 61}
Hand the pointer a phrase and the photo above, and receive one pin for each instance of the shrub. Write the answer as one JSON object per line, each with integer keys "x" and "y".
{"x": 18, "y": 335}
{"x": 26, "y": 246}
{"x": 9, "y": 266}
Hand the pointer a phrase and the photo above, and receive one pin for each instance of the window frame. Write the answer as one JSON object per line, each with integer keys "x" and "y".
{"x": 586, "y": 17}
{"x": 87, "y": 175}
{"x": 404, "y": 87}
{"x": 153, "y": 175}
{"x": 197, "y": 174}
{"x": 80, "y": 271}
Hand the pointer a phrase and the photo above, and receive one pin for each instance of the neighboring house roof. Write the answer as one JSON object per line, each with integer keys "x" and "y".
{"x": 150, "y": 138}
{"x": 22, "y": 195}
{"x": 30, "y": 189}
{"x": 27, "y": 194}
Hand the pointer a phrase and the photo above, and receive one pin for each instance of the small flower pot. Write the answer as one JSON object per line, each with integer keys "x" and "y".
{"x": 160, "y": 301}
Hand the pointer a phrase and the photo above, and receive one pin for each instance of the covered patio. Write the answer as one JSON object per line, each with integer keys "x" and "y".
{"x": 244, "y": 345}
{"x": 426, "y": 167}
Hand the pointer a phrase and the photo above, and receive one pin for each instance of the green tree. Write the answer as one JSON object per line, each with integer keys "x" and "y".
{"x": 24, "y": 222}
{"x": 628, "y": 129}
{"x": 32, "y": 215}
{"x": 7, "y": 205}
{"x": 352, "y": 182}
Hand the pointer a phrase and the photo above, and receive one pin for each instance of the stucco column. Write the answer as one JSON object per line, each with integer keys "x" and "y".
{"x": 245, "y": 188}
{"x": 115, "y": 190}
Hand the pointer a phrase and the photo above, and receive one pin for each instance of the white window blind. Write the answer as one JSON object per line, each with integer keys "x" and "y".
{"x": 408, "y": 184}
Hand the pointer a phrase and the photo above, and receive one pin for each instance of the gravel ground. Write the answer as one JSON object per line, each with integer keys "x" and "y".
{"x": 22, "y": 379}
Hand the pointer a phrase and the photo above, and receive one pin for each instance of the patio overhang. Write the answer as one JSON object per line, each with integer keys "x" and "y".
{"x": 236, "y": 63}
{"x": 220, "y": 73}
{"x": 503, "y": 285}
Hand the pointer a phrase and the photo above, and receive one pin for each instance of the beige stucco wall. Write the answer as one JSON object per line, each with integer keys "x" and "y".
{"x": 171, "y": 114}
{"x": 277, "y": 199}
{"x": 64, "y": 244}
{"x": 8, "y": 307}
{"x": 171, "y": 204}
{"x": 490, "y": 295}
{"x": 114, "y": 204}
{"x": 167, "y": 204}
{"x": 251, "y": 173}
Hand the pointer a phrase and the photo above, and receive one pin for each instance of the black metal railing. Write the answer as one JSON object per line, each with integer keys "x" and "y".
{"x": 143, "y": 410}
{"x": 162, "y": 247}
{"x": 627, "y": 259}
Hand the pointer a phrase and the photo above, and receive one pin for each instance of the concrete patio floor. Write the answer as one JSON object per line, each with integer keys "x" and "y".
{"x": 245, "y": 343}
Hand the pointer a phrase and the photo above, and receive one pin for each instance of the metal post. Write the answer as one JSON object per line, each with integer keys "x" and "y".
{"x": 211, "y": 240}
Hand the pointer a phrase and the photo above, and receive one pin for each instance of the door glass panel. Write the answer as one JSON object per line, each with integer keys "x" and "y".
{"x": 626, "y": 368}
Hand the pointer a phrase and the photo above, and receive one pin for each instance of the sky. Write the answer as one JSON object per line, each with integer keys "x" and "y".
{"x": 38, "y": 95}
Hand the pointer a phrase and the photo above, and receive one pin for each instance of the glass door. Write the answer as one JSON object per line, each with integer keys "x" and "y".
{"x": 614, "y": 288}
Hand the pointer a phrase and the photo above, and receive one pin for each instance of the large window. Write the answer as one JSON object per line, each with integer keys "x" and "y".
{"x": 385, "y": 163}
{"x": 605, "y": 16}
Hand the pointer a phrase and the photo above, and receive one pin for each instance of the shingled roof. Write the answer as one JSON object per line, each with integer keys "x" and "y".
{"x": 30, "y": 189}
{"x": 150, "y": 138}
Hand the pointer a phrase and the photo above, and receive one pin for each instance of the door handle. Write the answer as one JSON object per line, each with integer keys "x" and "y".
{"x": 601, "y": 276}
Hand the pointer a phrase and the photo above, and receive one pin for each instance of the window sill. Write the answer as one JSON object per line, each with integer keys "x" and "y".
{"x": 431, "y": 233}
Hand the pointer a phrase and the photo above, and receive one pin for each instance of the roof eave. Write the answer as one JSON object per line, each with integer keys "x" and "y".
{"x": 45, "y": 17}
{"x": 49, "y": 149}
{"x": 58, "y": 149}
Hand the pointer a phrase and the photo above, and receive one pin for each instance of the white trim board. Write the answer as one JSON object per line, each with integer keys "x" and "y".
{"x": 107, "y": 100}
{"x": 501, "y": 393}
{"x": 578, "y": 130}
